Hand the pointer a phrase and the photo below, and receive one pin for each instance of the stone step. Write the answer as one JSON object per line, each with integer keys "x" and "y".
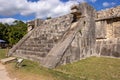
{"x": 41, "y": 42}
{"x": 7, "y": 60}
{"x": 34, "y": 58}
{"x": 39, "y": 49}
{"x": 33, "y": 46}
{"x": 30, "y": 57}
{"x": 29, "y": 52}
{"x": 49, "y": 45}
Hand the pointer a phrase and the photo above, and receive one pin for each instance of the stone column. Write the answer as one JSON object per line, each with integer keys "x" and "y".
{"x": 87, "y": 29}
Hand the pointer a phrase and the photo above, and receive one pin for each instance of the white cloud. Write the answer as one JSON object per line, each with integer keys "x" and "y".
{"x": 80, "y": 1}
{"x": 93, "y": 1}
{"x": 107, "y": 4}
{"x": 41, "y": 8}
{"x": 49, "y": 8}
{"x": 7, "y": 20}
{"x": 45, "y": 8}
{"x": 113, "y": 3}
{"x": 12, "y": 7}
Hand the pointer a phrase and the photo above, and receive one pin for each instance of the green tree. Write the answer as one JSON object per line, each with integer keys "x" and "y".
{"x": 17, "y": 31}
{"x": 3, "y": 31}
{"x": 13, "y": 33}
{"x": 49, "y": 18}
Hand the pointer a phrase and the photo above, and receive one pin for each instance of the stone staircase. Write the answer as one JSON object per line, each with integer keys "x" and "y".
{"x": 42, "y": 39}
{"x": 38, "y": 47}
{"x": 60, "y": 40}
{"x": 59, "y": 49}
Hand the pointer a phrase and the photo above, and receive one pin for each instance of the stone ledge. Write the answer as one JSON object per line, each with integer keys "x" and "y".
{"x": 107, "y": 18}
{"x": 7, "y": 60}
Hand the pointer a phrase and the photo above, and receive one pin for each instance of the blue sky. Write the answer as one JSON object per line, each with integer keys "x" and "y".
{"x": 26, "y": 10}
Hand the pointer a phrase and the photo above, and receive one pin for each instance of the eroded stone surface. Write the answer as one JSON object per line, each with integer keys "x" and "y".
{"x": 110, "y": 47}
{"x": 108, "y": 32}
{"x": 108, "y": 13}
{"x": 48, "y": 43}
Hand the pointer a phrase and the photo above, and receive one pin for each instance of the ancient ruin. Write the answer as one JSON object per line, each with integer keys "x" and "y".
{"x": 108, "y": 32}
{"x": 72, "y": 37}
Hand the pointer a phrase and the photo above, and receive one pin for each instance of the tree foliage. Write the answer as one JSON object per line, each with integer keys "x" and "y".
{"x": 13, "y": 33}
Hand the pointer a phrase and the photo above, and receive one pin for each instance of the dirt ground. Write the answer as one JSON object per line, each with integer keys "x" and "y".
{"x": 3, "y": 73}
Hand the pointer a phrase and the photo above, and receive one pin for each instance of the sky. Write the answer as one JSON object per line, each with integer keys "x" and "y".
{"x": 26, "y": 10}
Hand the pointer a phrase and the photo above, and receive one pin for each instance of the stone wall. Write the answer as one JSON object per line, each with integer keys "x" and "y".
{"x": 110, "y": 47}
{"x": 101, "y": 29}
{"x": 113, "y": 28}
{"x": 109, "y": 13}
{"x": 108, "y": 32}
{"x": 106, "y": 29}
{"x": 107, "y": 23}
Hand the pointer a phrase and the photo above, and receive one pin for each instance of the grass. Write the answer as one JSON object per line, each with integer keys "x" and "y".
{"x": 33, "y": 71}
{"x": 93, "y": 68}
{"x": 3, "y": 53}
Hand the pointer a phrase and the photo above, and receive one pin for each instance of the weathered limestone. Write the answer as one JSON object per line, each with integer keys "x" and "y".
{"x": 72, "y": 37}
{"x": 57, "y": 52}
{"x": 101, "y": 30}
{"x": 83, "y": 44}
{"x": 7, "y": 60}
{"x": 33, "y": 24}
{"x": 107, "y": 29}
{"x": 108, "y": 13}
{"x": 108, "y": 32}
{"x": 84, "y": 30}
{"x": 110, "y": 47}
{"x": 41, "y": 39}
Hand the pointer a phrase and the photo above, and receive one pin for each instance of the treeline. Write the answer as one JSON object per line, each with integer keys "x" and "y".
{"x": 14, "y": 32}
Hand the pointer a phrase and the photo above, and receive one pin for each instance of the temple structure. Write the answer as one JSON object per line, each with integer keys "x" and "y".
{"x": 72, "y": 37}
